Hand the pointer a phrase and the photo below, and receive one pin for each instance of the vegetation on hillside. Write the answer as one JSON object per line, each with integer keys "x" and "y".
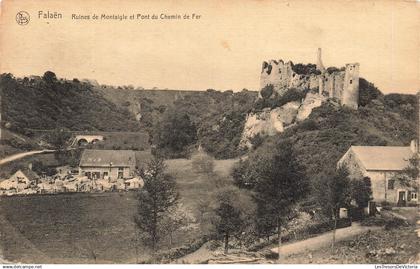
{"x": 271, "y": 99}
{"x": 322, "y": 139}
{"x": 49, "y": 103}
{"x": 218, "y": 117}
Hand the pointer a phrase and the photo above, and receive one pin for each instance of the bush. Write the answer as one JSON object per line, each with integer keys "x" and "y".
{"x": 305, "y": 69}
{"x": 308, "y": 125}
{"x": 356, "y": 213}
{"x": 277, "y": 100}
{"x": 267, "y": 91}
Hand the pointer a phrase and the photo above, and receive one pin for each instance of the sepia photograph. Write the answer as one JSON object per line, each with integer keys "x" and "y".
{"x": 209, "y": 132}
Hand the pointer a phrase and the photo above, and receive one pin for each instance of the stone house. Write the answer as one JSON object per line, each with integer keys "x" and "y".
{"x": 107, "y": 164}
{"x": 381, "y": 164}
{"x": 20, "y": 180}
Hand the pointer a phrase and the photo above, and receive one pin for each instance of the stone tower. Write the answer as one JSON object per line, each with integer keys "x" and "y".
{"x": 350, "y": 95}
{"x": 319, "y": 64}
{"x": 320, "y": 67}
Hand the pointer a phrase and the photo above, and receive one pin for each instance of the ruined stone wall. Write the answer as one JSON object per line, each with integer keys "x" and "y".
{"x": 350, "y": 96}
{"x": 340, "y": 85}
{"x": 334, "y": 84}
{"x": 281, "y": 75}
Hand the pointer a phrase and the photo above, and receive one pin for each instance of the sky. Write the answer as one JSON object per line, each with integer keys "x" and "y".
{"x": 223, "y": 49}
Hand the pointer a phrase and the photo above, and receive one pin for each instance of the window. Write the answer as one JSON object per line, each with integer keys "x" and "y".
{"x": 351, "y": 81}
{"x": 120, "y": 172}
{"x": 105, "y": 174}
{"x": 414, "y": 196}
{"x": 391, "y": 183}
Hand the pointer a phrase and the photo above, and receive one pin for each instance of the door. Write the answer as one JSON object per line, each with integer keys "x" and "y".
{"x": 401, "y": 198}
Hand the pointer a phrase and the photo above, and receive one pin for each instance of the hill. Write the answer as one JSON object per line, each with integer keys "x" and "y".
{"x": 49, "y": 103}
{"x": 329, "y": 131}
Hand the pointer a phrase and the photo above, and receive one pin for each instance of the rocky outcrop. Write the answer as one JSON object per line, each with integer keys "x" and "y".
{"x": 311, "y": 101}
{"x": 269, "y": 122}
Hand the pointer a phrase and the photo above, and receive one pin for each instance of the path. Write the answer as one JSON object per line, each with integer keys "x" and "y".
{"x": 323, "y": 240}
{"x": 23, "y": 155}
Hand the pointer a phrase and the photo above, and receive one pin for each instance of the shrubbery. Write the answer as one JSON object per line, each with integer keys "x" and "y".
{"x": 305, "y": 69}
{"x": 276, "y": 100}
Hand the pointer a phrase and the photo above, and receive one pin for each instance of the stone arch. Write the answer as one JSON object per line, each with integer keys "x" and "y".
{"x": 82, "y": 142}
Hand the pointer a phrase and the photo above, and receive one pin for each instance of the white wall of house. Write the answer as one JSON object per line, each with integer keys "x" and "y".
{"x": 382, "y": 190}
{"x": 111, "y": 172}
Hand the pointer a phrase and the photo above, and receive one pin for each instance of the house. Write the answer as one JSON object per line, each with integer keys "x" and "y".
{"x": 22, "y": 179}
{"x": 107, "y": 164}
{"x": 381, "y": 164}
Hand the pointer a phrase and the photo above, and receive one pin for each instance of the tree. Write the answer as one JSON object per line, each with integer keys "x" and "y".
{"x": 267, "y": 91}
{"x": 175, "y": 220}
{"x": 174, "y": 133}
{"x": 362, "y": 191}
{"x": 59, "y": 138}
{"x": 333, "y": 191}
{"x": 155, "y": 201}
{"x": 49, "y": 77}
{"x": 229, "y": 217}
{"x": 281, "y": 183}
{"x": 409, "y": 176}
{"x": 412, "y": 170}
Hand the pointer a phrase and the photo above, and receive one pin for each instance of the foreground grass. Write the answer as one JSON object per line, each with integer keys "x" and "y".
{"x": 89, "y": 228}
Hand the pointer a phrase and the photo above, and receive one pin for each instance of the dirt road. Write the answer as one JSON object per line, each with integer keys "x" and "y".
{"x": 324, "y": 239}
{"x": 23, "y": 155}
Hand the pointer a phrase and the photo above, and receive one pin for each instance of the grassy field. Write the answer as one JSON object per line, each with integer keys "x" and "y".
{"x": 88, "y": 228}
{"x": 194, "y": 186}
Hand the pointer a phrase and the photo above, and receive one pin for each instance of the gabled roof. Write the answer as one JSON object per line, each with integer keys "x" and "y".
{"x": 29, "y": 174}
{"x": 104, "y": 158}
{"x": 383, "y": 158}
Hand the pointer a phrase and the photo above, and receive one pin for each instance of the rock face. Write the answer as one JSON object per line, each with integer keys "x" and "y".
{"x": 312, "y": 100}
{"x": 269, "y": 122}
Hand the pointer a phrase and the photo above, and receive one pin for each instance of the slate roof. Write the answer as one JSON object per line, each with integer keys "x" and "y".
{"x": 383, "y": 157}
{"x": 103, "y": 158}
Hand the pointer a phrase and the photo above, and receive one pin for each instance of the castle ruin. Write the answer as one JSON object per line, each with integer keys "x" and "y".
{"x": 338, "y": 84}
